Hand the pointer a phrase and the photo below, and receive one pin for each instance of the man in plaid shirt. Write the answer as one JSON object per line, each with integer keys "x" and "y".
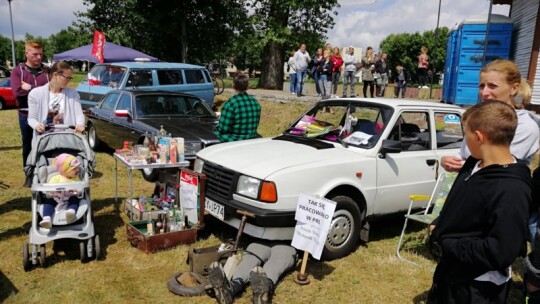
{"x": 240, "y": 115}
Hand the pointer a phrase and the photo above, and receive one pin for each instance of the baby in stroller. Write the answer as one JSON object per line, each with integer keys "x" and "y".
{"x": 68, "y": 170}
{"x": 61, "y": 163}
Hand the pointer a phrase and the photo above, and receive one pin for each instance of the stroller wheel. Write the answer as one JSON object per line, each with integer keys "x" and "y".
{"x": 82, "y": 249}
{"x": 42, "y": 256}
{"x": 26, "y": 258}
{"x": 97, "y": 247}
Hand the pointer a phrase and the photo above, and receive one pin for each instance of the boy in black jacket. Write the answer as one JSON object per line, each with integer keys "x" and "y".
{"x": 482, "y": 227}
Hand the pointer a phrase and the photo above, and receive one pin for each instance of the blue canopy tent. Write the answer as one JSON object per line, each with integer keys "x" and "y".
{"x": 112, "y": 53}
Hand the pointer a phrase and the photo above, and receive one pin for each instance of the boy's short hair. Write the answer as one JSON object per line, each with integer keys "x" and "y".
{"x": 241, "y": 82}
{"x": 496, "y": 119}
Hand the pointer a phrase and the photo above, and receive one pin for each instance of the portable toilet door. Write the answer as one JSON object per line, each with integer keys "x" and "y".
{"x": 470, "y": 49}
{"x": 448, "y": 64}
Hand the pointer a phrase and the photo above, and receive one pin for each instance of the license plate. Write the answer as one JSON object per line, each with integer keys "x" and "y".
{"x": 215, "y": 209}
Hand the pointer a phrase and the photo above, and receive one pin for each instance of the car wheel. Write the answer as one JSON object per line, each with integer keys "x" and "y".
{"x": 2, "y": 104}
{"x": 93, "y": 140}
{"x": 150, "y": 175}
{"x": 344, "y": 229}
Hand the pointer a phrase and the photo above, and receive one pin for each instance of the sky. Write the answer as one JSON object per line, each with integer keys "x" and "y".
{"x": 360, "y": 23}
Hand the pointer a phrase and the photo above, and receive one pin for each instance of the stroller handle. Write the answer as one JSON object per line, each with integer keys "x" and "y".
{"x": 51, "y": 128}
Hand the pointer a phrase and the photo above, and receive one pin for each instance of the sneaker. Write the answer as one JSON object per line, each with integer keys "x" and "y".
{"x": 318, "y": 95}
{"x": 221, "y": 285}
{"x": 70, "y": 216}
{"x": 425, "y": 87}
{"x": 353, "y": 96}
{"x": 344, "y": 96}
{"x": 46, "y": 222}
{"x": 27, "y": 182}
{"x": 293, "y": 93}
{"x": 419, "y": 87}
{"x": 263, "y": 287}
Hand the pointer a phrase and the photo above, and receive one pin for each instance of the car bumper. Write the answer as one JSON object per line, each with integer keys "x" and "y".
{"x": 267, "y": 224}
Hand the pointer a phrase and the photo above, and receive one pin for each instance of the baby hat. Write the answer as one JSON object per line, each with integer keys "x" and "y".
{"x": 65, "y": 163}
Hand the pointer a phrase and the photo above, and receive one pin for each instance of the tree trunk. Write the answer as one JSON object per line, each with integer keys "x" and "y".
{"x": 272, "y": 67}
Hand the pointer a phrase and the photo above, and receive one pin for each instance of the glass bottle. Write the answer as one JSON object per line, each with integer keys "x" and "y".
{"x": 150, "y": 226}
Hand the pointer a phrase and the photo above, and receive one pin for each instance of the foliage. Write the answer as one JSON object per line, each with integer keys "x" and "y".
{"x": 175, "y": 27}
{"x": 283, "y": 25}
{"x": 403, "y": 49}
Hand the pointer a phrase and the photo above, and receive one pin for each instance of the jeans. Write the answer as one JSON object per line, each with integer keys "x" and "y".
{"x": 50, "y": 204}
{"x": 335, "y": 81}
{"x": 381, "y": 83}
{"x": 348, "y": 78}
{"x": 325, "y": 85}
{"x": 316, "y": 79}
{"x": 422, "y": 76}
{"x": 400, "y": 85}
{"x": 300, "y": 81}
{"x": 292, "y": 85}
{"x": 26, "y": 135}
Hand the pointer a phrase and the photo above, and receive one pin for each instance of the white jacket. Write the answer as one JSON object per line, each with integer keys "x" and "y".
{"x": 38, "y": 108}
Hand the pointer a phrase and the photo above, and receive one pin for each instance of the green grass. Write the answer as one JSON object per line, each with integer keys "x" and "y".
{"x": 371, "y": 274}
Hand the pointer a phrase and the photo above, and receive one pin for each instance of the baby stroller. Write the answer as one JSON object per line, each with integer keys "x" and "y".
{"x": 57, "y": 140}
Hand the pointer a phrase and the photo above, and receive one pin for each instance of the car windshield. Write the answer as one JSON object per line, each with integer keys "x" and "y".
{"x": 153, "y": 106}
{"x": 4, "y": 82}
{"x": 356, "y": 124}
{"x": 106, "y": 75}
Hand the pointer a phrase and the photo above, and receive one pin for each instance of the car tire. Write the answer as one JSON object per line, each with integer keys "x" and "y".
{"x": 344, "y": 230}
{"x": 93, "y": 140}
{"x": 2, "y": 104}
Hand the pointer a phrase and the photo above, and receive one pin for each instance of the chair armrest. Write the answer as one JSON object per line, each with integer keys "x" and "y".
{"x": 419, "y": 197}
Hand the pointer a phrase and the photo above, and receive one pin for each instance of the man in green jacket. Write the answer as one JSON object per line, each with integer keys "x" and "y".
{"x": 240, "y": 115}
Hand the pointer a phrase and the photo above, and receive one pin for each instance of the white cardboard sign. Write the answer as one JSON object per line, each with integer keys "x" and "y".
{"x": 313, "y": 216}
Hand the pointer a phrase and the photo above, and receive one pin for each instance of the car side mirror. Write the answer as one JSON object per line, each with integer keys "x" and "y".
{"x": 122, "y": 113}
{"x": 389, "y": 146}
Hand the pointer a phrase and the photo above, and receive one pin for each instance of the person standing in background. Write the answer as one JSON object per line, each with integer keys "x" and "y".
{"x": 25, "y": 77}
{"x": 423, "y": 65}
{"x": 292, "y": 73}
{"x": 400, "y": 78}
{"x": 349, "y": 72}
{"x": 301, "y": 60}
{"x": 382, "y": 69}
{"x": 368, "y": 66}
{"x": 315, "y": 64}
{"x": 337, "y": 62}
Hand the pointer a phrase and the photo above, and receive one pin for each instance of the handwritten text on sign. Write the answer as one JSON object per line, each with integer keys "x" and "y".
{"x": 188, "y": 190}
{"x": 313, "y": 216}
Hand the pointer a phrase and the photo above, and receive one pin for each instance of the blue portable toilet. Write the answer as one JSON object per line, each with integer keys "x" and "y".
{"x": 468, "y": 55}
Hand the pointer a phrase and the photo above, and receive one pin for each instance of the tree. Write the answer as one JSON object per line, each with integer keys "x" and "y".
{"x": 403, "y": 49}
{"x": 284, "y": 24}
{"x": 170, "y": 30}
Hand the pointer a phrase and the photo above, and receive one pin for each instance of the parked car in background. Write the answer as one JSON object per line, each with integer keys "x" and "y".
{"x": 367, "y": 155}
{"x": 167, "y": 76}
{"x": 7, "y": 99}
{"x": 4, "y": 72}
{"x": 130, "y": 115}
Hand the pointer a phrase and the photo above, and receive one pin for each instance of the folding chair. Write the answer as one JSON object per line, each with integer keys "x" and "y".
{"x": 431, "y": 211}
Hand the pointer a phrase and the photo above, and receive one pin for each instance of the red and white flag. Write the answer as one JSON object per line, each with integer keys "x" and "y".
{"x": 98, "y": 45}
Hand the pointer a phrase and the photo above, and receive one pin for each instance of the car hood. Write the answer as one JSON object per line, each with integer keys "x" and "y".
{"x": 191, "y": 129}
{"x": 262, "y": 157}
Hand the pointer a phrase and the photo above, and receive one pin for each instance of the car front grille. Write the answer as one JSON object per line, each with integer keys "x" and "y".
{"x": 219, "y": 181}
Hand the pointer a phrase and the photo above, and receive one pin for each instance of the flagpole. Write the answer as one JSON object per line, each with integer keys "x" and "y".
{"x": 14, "y": 63}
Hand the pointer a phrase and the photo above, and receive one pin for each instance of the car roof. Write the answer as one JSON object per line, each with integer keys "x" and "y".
{"x": 138, "y": 92}
{"x": 153, "y": 65}
{"x": 401, "y": 103}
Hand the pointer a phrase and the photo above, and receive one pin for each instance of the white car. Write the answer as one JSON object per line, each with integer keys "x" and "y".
{"x": 367, "y": 155}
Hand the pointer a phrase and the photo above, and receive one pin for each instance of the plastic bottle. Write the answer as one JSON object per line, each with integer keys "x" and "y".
{"x": 150, "y": 226}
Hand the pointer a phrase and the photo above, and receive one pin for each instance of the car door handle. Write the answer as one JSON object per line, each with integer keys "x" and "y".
{"x": 431, "y": 162}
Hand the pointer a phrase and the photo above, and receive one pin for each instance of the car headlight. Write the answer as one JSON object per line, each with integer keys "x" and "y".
{"x": 198, "y": 165}
{"x": 192, "y": 148}
{"x": 256, "y": 189}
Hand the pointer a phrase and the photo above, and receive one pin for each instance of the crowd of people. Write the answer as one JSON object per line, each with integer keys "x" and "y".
{"x": 372, "y": 70}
